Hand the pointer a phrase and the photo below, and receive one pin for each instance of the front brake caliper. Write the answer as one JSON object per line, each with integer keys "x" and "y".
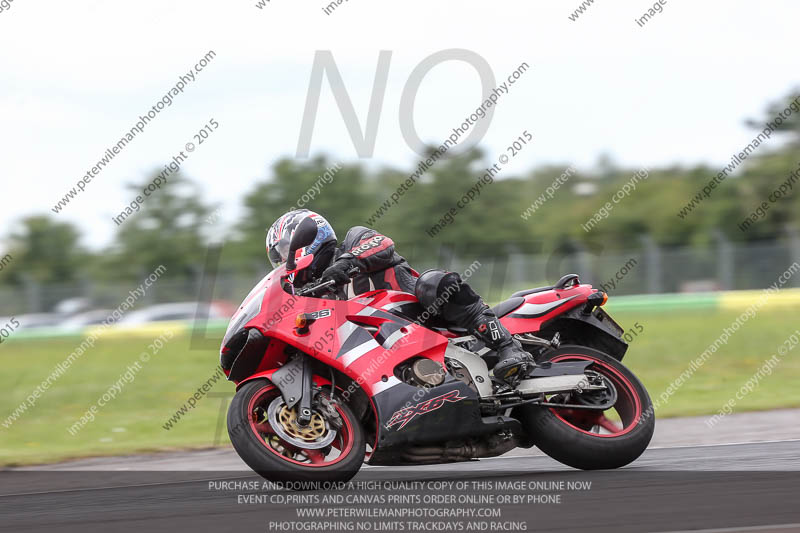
{"x": 329, "y": 412}
{"x": 261, "y": 414}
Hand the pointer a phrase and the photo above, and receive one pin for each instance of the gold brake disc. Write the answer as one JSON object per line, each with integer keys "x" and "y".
{"x": 316, "y": 435}
{"x": 312, "y": 432}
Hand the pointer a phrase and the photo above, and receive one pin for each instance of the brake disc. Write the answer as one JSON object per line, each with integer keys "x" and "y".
{"x": 317, "y": 434}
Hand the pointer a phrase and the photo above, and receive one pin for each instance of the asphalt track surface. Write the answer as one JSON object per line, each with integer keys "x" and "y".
{"x": 748, "y": 487}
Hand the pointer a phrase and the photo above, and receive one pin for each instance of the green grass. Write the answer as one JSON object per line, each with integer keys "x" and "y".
{"x": 130, "y": 422}
{"x": 671, "y": 340}
{"x": 133, "y": 421}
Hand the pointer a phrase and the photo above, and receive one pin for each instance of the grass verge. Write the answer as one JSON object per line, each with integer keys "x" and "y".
{"x": 134, "y": 420}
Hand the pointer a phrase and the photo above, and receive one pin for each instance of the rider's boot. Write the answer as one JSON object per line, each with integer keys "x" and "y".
{"x": 511, "y": 357}
{"x": 446, "y": 294}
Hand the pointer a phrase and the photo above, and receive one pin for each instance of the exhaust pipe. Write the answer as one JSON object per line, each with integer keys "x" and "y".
{"x": 490, "y": 447}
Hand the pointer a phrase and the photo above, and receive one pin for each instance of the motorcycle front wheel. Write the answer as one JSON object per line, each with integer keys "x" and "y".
{"x": 266, "y": 435}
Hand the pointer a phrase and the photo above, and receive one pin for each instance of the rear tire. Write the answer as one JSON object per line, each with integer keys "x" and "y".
{"x": 567, "y": 435}
{"x": 277, "y": 460}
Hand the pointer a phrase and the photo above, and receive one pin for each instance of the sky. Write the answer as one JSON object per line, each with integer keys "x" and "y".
{"x": 75, "y": 76}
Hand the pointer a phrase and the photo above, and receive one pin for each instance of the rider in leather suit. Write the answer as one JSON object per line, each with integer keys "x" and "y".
{"x": 379, "y": 266}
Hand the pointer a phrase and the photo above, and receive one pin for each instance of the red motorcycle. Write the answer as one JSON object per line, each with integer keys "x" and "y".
{"x": 324, "y": 384}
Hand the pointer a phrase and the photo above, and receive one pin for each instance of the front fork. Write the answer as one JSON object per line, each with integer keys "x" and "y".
{"x": 294, "y": 380}
{"x": 304, "y": 417}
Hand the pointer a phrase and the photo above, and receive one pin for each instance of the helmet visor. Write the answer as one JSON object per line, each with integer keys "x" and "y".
{"x": 279, "y": 253}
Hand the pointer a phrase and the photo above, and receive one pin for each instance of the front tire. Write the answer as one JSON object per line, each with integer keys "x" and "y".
{"x": 589, "y": 440}
{"x": 317, "y": 453}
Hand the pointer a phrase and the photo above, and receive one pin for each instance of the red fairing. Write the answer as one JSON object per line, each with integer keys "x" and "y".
{"x": 336, "y": 340}
{"x": 540, "y": 307}
{"x": 365, "y": 337}
{"x": 369, "y": 357}
{"x": 391, "y": 406}
{"x": 267, "y": 374}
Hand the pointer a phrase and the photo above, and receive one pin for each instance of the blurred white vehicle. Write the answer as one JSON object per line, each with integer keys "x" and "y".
{"x": 72, "y": 306}
{"x": 175, "y": 311}
{"x": 87, "y": 318}
{"x": 39, "y": 320}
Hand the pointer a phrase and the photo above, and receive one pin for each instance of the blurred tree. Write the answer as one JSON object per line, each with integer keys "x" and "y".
{"x": 791, "y": 124}
{"x": 767, "y": 171}
{"x": 336, "y": 191}
{"x": 44, "y": 251}
{"x": 168, "y": 230}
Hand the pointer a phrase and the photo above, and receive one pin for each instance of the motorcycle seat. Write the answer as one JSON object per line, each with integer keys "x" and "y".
{"x": 505, "y": 307}
{"x": 565, "y": 281}
{"x": 532, "y": 291}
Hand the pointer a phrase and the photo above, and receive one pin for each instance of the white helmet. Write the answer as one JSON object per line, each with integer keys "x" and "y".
{"x": 280, "y": 235}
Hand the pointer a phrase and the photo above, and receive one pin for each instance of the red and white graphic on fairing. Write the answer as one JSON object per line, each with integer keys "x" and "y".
{"x": 405, "y": 415}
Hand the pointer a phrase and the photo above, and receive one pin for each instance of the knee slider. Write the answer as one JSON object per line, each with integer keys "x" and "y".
{"x": 438, "y": 290}
{"x": 426, "y": 288}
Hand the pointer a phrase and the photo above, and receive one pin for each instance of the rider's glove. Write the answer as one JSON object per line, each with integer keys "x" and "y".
{"x": 339, "y": 271}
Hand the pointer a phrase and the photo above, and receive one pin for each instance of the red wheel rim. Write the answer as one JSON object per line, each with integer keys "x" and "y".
{"x": 342, "y": 444}
{"x": 628, "y": 405}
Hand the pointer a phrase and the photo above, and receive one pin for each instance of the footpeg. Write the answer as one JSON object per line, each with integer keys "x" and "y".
{"x": 531, "y": 339}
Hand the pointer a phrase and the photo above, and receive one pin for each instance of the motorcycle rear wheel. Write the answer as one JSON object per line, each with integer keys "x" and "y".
{"x": 317, "y": 453}
{"x": 590, "y": 440}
